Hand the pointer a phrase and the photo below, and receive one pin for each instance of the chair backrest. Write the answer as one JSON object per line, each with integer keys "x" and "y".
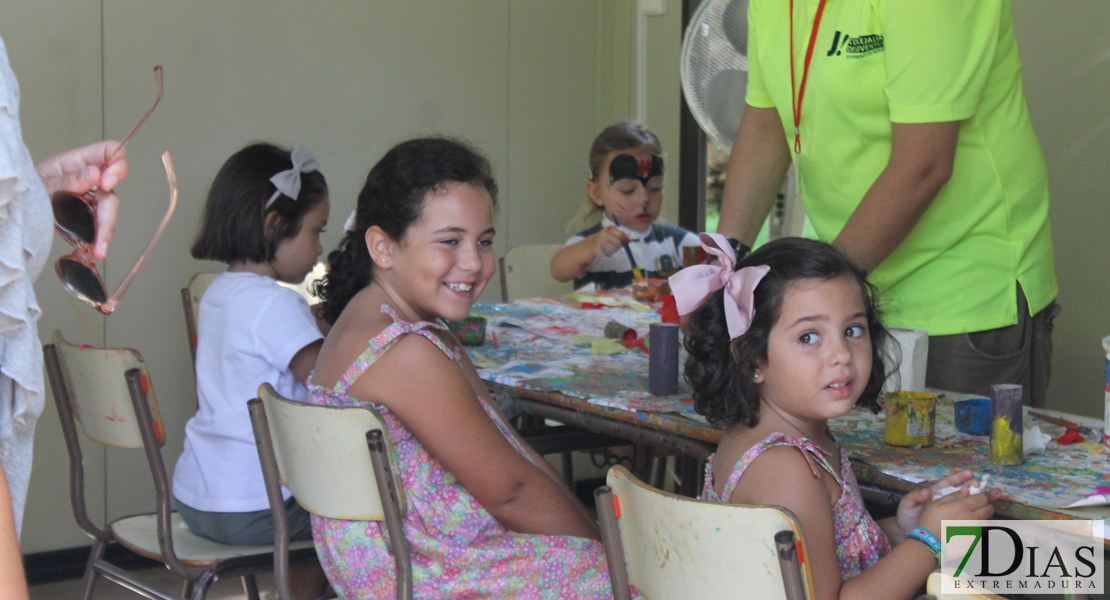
{"x": 190, "y": 299}
{"x": 96, "y": 384}
{"x": 526, "y": 273}
{"x": 336, "y": 461}
{"x": 678, "y": 547}
{"x": 109, "y": 391}
{"x": 323, "y": 459}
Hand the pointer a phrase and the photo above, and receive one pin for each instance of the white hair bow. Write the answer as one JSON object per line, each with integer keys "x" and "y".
{"x": 349, "y": 224}
{"x": 289, "y": 182}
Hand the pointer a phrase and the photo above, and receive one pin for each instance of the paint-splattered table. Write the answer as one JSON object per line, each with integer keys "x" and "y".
{"x": 1039, "y": 489}
{"x": 544, "y": 362}
{"x": 548, "y": 357}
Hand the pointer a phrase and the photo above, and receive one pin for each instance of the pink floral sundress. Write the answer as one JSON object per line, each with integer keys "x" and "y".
{"x": 458, "y": 549}
{"x": 859, "y": 541}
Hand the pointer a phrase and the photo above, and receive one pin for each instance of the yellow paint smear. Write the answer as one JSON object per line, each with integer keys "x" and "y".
{"x": 1006, "y": 446}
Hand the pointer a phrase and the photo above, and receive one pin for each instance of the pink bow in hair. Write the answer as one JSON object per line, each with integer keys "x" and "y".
{"x": 692, "y": 285}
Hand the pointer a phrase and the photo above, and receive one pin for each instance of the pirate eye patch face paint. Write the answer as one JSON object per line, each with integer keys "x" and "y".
{"x": 625, "y": 166}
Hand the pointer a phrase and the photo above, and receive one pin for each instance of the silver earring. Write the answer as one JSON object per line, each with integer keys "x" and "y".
{"x": 757, "y": 377}
{"x": 385, "y": 261}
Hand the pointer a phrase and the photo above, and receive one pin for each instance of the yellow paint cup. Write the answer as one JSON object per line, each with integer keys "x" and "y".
{"x": 911, "y": 418}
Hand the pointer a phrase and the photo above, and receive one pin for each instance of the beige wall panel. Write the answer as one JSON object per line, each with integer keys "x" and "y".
{"x": 615, "y": 73}
{"x": 664, "y": 90}
{"x": 54, "y": 49}
{"x": 1065, "y": 51}
{"x": 347, "y": 79}
{"x": 551, "y": 118}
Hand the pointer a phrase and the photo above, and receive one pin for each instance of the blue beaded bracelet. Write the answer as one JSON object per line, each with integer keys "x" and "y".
{"x": 926, "y": 537}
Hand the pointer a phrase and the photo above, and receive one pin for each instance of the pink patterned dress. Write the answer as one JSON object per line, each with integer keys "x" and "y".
{"x": 458, "y": 549}
{"x": 859, "y": 541}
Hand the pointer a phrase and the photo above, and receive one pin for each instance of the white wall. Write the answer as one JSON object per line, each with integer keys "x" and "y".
{"x": 1065, "y": 52}
{"x": 529, "y": 82}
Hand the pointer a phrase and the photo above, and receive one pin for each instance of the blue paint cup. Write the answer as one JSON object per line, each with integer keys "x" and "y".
{"x": 973, "y": 416}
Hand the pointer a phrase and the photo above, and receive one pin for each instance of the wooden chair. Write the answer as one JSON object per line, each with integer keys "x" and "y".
{"x": 320, "y": 454}
{"x": 670, "y": 546}
{"x": 526, "y": 273}
{"x": 190, "y": 300}
{"x": 110, "y": 393}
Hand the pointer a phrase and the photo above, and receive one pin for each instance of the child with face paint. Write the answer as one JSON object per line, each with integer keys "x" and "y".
{"x": 626, "y": 187}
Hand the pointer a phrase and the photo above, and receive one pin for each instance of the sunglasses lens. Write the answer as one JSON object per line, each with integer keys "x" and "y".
{"x": 82, "y": 280}
{"x": 74, "y": 218}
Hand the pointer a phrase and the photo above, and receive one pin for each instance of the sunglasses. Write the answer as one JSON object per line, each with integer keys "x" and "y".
{"x": 75, "y": 222}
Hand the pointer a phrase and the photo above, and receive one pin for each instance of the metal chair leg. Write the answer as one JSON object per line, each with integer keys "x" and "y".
{"x": 789, "y": 562}
{"x": 201, "y": 584}
{"x": 611, "y": 540}
{"x": 659, "y": 472}
{"x": 568, "y": 469}
{"x": 91, "y": 573}
{"x": 250, "y": 587}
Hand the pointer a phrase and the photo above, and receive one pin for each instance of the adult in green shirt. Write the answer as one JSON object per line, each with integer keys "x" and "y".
{"x": 917, "y": 157}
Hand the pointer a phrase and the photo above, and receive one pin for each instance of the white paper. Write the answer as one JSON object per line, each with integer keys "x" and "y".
{"x": 904, "y": 477}
{"x": 1035, "y": 441}
{"x": 913, "y": 347}
{"x": 952, "y": 490}
{"x": 1096, "y": 500}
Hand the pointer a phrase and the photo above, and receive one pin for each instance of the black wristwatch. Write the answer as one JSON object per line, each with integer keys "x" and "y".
{"x": 739, "y": 248}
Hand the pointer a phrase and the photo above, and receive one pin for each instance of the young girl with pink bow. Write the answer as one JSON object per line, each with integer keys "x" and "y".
{"x": 778, "y": 346}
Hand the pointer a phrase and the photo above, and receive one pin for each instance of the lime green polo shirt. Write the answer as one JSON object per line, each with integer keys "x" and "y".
{"x": 881, "y": 61}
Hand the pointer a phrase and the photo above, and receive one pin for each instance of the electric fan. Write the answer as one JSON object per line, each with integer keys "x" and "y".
{"x": 715, "y": 67}
{"x": 714, "y": 74}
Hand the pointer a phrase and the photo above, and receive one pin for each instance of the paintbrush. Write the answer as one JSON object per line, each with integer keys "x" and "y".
{"x": 636, "y": 273}
{"x": 1066, "y": 424}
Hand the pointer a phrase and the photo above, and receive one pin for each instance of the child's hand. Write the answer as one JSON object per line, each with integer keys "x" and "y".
{"x": 914, "y": 504}
{"x": 961, "y": 505}
{"x": 610, "y": 240}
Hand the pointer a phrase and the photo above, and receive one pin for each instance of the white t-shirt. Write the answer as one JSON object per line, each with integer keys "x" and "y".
{"x": 655, "y": 251}
{"x": 248, "y": 330}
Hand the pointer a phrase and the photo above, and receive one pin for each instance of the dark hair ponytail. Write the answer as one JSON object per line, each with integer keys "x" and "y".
{"x": 393, "y": 199}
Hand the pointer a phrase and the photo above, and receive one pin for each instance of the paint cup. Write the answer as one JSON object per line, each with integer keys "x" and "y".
{"x": 615, "y": 330}
{"x": 973, "y": 416}
{"x": 663, "y": 359}
{"x": 649, "y": 290}
{"x": 1007, "y": 447}
{"x": 470, "y": 331}
{"x": 692, "y": 255}
{"x": 911, "y": 418}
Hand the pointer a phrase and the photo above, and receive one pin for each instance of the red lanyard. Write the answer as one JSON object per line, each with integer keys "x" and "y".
{"x": 796, "y": 97}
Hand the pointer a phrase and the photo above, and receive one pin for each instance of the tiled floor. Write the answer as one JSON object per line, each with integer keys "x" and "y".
{"x": 159, "y": 578}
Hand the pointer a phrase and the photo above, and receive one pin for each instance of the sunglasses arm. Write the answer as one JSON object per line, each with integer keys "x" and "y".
{"x": 109, "y": 305}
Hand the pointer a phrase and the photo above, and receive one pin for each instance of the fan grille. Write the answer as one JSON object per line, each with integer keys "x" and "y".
{"x": 715, "y": 68}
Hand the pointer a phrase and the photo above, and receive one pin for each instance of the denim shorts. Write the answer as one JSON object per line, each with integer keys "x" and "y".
{"x": 246, "y": 528}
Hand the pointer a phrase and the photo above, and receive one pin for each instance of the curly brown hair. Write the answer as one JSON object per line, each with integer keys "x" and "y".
{"x": 721, "y": 371}
{"x": 393, "y": 199}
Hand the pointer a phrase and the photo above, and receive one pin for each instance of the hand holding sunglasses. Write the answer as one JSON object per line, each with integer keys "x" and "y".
{"x": 75, "y": 220}
{"x": 84, "y": 169}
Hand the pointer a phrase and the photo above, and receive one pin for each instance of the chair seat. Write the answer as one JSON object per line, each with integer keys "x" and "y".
{"x": 139, "y": 534}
